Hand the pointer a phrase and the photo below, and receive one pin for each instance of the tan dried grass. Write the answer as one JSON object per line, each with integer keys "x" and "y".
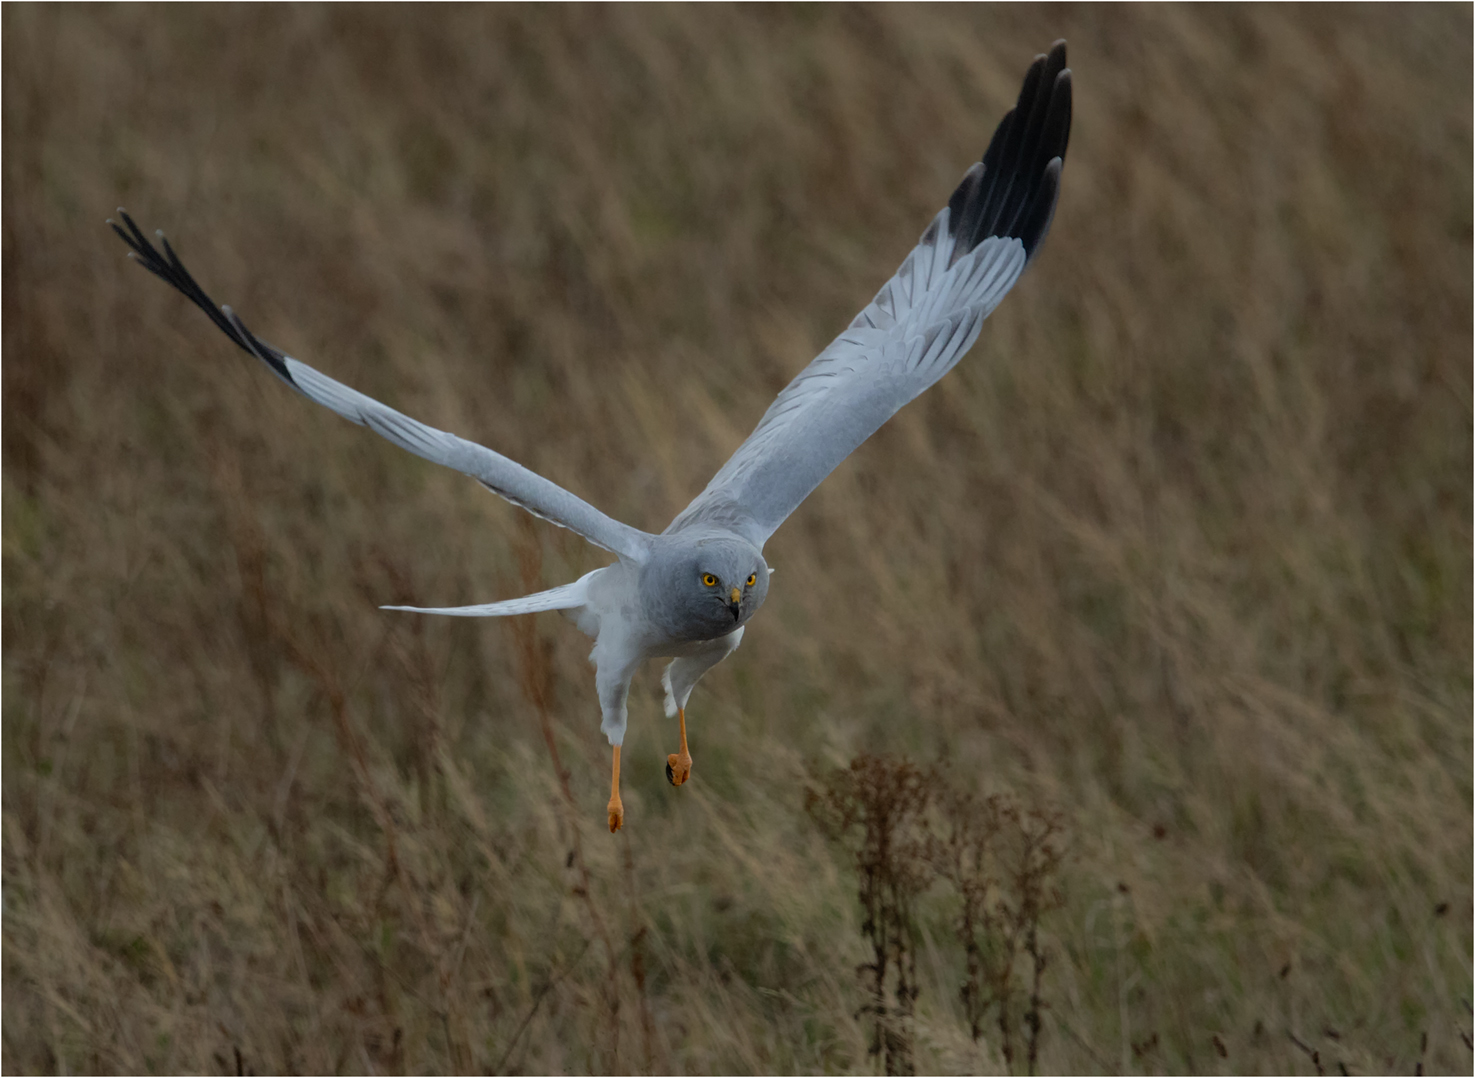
{"x": 1183, "y": 547}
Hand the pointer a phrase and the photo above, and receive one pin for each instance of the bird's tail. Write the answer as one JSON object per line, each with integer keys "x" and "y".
{"x": 566, "y": 597}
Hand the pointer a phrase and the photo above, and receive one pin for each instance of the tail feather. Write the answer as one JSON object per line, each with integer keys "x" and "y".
{"x": 566, "y": 597}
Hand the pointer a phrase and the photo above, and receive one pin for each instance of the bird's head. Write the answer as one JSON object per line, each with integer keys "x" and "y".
{"x": 704, "y": 588}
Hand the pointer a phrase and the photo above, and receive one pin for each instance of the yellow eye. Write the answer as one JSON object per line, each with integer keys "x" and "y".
{"x": 752, "y": 580}
{"x": 709, "y": 580}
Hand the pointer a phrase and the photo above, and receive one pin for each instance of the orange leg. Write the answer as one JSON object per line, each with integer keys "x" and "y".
{"x": 678, "y": 764}
{"x": 616, "y": 807}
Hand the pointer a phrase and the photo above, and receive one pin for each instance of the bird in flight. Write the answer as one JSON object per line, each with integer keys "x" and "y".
{"x": 688, "y": 593}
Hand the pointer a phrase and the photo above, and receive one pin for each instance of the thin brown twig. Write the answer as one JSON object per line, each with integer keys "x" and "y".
{"x": 548, "y": 986}
{"x": 536, "y": 670}
{"x": 636, "y": 947}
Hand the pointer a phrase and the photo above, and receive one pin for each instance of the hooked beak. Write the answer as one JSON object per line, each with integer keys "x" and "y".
{"x": 735, "y": 604}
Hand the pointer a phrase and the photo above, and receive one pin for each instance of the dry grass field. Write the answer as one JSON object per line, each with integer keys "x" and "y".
{"x": 1181, "y": 551}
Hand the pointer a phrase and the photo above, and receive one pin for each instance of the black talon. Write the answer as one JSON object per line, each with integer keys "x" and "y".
{"x": 670, "y": 775}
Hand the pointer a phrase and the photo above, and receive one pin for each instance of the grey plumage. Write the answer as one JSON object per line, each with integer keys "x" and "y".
{"x": 688, "y": 593}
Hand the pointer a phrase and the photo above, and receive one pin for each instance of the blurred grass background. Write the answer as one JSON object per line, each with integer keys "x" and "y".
{"x": 1182, "y": 548}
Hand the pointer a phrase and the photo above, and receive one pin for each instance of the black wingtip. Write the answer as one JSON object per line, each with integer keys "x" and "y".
{"x": 168, "y": 267}
{"x": 272, "y": 357}
{"x": 1014, "y": 191}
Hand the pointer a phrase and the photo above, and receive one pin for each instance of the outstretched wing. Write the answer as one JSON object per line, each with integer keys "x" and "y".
{"x": 918, "y": 326}
{"x": 497, "y": 473}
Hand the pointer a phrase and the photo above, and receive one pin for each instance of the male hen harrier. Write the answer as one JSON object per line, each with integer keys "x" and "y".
{"x": 687, "y": 594}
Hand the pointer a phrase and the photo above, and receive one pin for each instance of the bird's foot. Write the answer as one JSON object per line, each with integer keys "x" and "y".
{"x": 616, "y": 814}
{"x": 678, "y": 764}
{"x": 678, "y": 767}
{"x": 616, "y": 807}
